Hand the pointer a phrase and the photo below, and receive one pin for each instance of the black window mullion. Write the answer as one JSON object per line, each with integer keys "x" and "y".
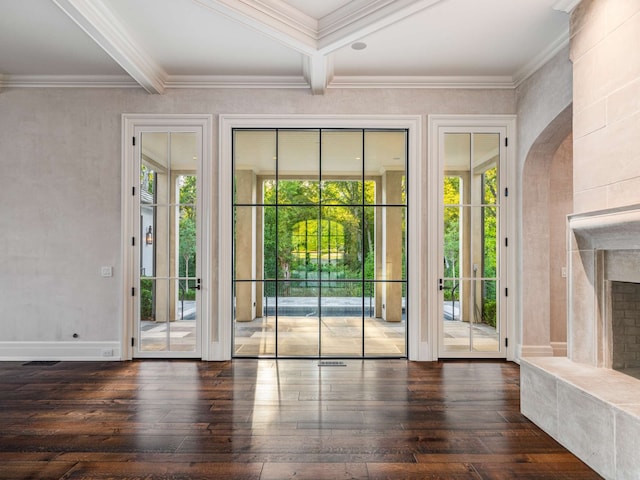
{"x": 319, "y": 216}
{"x": 363, "y": 236}
{"x": 277, "y": 244}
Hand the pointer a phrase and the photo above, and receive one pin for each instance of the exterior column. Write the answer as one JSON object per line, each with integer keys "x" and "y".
{"x": 161, "y": 247}
{"x": 259, "y": 236}
{"x": 466, "y": 294}
{"x": 392, "y": 246}
{"x": 379, "y": 287}
{"x": 476, "y": 249}
{"x": 245, "y": 246}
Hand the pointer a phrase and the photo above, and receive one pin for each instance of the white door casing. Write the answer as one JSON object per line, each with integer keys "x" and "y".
{"x": 134, "y": 126}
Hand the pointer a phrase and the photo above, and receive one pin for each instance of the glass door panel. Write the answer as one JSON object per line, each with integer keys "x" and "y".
{"x": 298, "y": 167}
{"x": 341, "y": 328}
{"x": 298, "y": 316}
{"x": 470, "y": 244}
{"x": 169, "y": 267}
{"x": 255, "y": 337}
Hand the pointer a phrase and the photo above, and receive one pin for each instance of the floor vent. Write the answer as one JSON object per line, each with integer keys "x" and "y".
{"x": 42, "y": 363}
{"x": 331, "y": 363}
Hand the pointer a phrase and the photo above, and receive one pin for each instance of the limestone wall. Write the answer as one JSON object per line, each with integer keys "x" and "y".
{"x": 606, "y": 103}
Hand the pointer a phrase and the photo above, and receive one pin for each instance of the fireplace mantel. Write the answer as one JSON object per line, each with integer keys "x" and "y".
{"x": 613, "y": 229}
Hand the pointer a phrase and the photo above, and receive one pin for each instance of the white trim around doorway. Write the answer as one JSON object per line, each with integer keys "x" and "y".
{"x": 130, "y": 179}
{"x": 437, "y": 124}
{"x": 221, "y": 339}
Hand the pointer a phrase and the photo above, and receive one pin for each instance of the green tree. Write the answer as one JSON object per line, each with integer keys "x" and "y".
{"x": 490, "y": 252}
{"x": 187, "y": 228}
{"x": 340, "y": 229}
{"x": 452, "y": 186}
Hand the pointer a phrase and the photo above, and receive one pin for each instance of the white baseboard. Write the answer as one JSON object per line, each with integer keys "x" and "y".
{"x": 559, "y": 349}
{"x": 536, "y": 351}
{"x": 86, "y": 351}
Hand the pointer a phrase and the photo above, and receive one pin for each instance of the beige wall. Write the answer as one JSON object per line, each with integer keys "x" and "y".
{"x": 60, "y": 181}
{"x": 561, "y": 205}
{"x": 546, "y": 202}
{"x": 544, "y": 123}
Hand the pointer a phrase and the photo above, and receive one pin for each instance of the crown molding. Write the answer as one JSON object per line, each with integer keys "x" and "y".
{"x": 69, "y": 81}
{"x": 100, "y": 23}
{"x": 235, "y": 81}
{"x": 257, "y": 81}
{"x": 539, "y": 60}
{"x": 461, "y": 82}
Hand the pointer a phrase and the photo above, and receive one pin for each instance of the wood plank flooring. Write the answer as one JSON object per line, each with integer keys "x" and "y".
{"x": 268, "y": 419}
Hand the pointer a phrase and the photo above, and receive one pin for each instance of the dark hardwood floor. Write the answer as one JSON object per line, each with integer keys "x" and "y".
{"x": 267, "y": 419}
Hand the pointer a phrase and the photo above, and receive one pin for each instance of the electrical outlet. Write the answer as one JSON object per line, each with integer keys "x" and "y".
{"x": 106, "y": 271}
{"x": 107, "y": 352}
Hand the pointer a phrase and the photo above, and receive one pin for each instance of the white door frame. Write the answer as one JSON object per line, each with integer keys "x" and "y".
{"x": 220, "y": 348}
{"x": 131, "y": 124}
{"x": 506, "y": 124}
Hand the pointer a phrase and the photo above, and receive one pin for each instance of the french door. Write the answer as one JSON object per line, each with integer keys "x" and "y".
{"x": 165, "y": 249}
{"x": 319, "y": 242}
{"x": 473, "y": 241}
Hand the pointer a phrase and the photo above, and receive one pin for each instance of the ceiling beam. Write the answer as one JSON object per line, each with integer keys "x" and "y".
{"x": 99, "y": 22}
{"x": 272, "y": 18}
{"x": 317, "y": 73}
{"x": 360, "y": 18}
{"x": 316, "y": 39}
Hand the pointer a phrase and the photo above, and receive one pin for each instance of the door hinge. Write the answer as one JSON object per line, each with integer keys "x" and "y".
{"x": 133, "y": 191}
{"x": 506, "y": 191}
{"x": 506, "y": 241}
{"x": 133, "y": 291}
{"x": 133, "y": 342}
{"x": 133, "y": 241}
{"x": 134, "y": 141}
{"x": 506, "y": 342}
{"x": 506, "y": 141}
{"x": 506, "y": 292}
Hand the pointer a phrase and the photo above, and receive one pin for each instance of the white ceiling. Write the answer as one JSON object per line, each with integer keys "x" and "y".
{"x": 165, "y": 44}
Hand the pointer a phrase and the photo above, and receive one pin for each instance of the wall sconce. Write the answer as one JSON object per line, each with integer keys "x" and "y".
{"x": 148, "y": 239}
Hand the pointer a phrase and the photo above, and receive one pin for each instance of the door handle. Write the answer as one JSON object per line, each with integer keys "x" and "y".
{"x": 440, "y": 284}
{"x": 198, "y": 286}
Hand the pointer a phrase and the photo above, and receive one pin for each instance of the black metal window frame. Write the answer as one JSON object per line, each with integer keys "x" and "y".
{"x": 319, "y": 205}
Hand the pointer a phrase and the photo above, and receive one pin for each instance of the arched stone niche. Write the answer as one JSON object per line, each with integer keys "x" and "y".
{"x": 547, "y": 199}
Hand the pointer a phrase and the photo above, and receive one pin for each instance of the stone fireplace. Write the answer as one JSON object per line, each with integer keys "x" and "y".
{"x": 604, "y": 297}
{"x": 590, "y": 401}
{"x": 625, "y": 326}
